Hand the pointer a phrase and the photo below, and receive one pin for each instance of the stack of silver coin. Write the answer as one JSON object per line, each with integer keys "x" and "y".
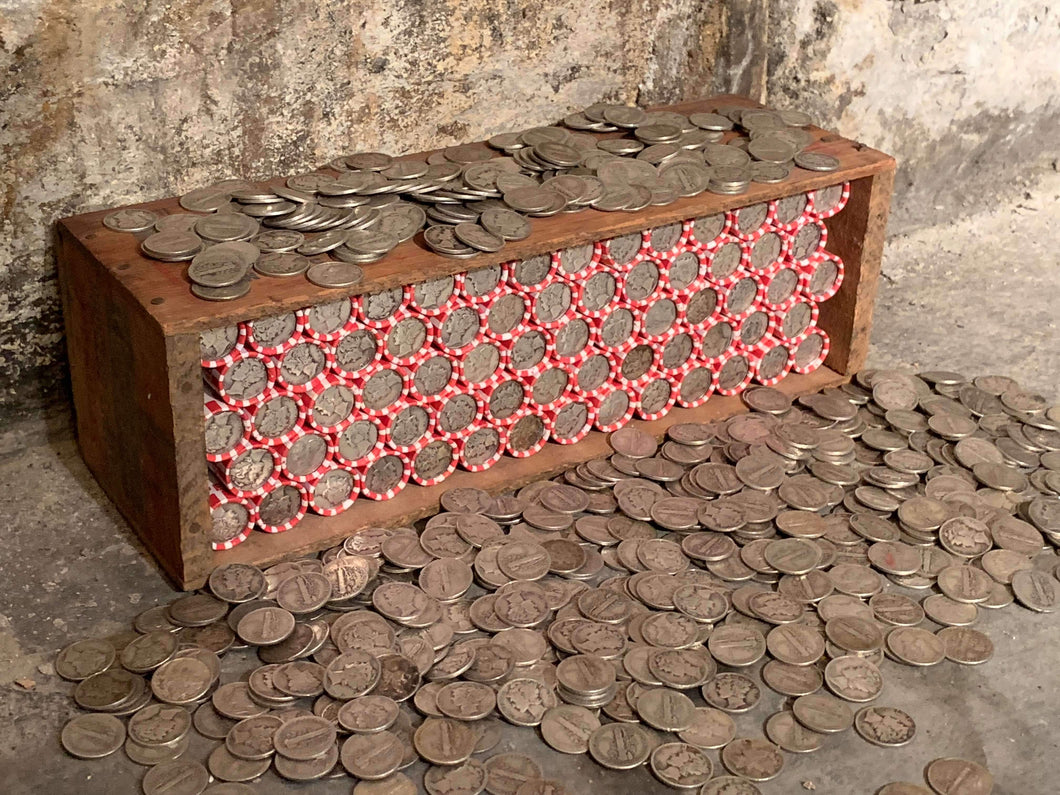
{"x": 637, "y": 609}
{"x": 471, "y": 201}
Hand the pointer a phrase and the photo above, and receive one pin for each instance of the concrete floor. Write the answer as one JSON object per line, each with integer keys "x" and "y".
{"x": 978, "y": 296}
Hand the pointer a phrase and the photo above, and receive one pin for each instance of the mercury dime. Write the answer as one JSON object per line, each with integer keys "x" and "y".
{"x": 822, "y": 713}
{"x": 180, "y": 777}
{"x": 333, "y": 273}
{"x": 816, "y": 161}
{"x": 885, "y": 726}
{"x": 130, "y": 220}
{"x": 915, "y": 646}
{"x": 84, "y": 658}
{"x": 1036, "y": 590}
{"x": 753, "y": 759}
{"x": 965, "y": 645}
{"x": 959, "y": 777}
{"x": 620, "y": 746}
{"x": 93, "y": 736}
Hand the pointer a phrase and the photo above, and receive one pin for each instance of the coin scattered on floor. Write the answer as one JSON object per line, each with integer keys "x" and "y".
{"x": 635, "y": 609}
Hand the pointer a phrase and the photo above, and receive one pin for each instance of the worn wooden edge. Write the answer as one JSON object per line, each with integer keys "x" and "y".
{"x": 315, "y": 533}
{"x": 857, "y": 235}
{"x": 120, "y": 374}
{"x": 163, "y": 289}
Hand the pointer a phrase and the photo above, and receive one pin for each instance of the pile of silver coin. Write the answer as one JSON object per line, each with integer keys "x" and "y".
{"x": 468, "y": 199}
{"x": 630, "y": 609}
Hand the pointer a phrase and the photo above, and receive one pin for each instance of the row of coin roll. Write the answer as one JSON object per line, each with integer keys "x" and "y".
{"x": 358, "y": 398}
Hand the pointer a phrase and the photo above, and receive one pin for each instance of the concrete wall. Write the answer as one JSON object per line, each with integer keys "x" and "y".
{"x": 106, "y": 103}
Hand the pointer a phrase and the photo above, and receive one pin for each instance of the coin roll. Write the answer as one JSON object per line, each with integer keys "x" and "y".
{"x": 531, "y": 275}
{"x": 636, "y": 366}
{"x": 641, "y": 284}
{"x": 594, "y": 375}
{"x": 503, "y": 399}
{"x": 483, "y": 284}
{"x": 571, "y": 422}
{"x": 809, "y": 350}
{"x": 790, "y": 212}
{"x": 236, "y": 344}
{"x": 288, "y": 518}
{"x": 458, "y": 328}
{"x": 623, "y": 253}
{"x": 771, "y": 361}
{"x": 479, "y": 364}
{"x": 795, "y": 319}
{"x": 295, "y": 464}
{"x": 747, "y": 222}
{"x": 327, "y": 322}
{"x": 272, "y": 336}
{"x": 617, "y": 330}
{"x": 505, "y": 316}
{"x": 822, "y": 276}
{"x": 526, "y": 434}
{"x": 781, "y": 287}
{"x": 432, "y": 461}
{"x": 555, "y": 303}
{"x": 823, "y": 209}
{"x": 741, "y": 298}
{"x": 732, "y": 371}
{"x": 768, "y": 249}
{"x": 613, "y": 408}
{"x": 661, "y": 243}
{"x": 244, "y": 380}
{"x": 356, "y": 351}
{"x": 228, "y": 473}
{"x": 305, "y": 366}
{"x": 655, "y": 398}
{"x": 327, "y": 505}
{"x": 550, "y": 387}
{"x": 705, "y": 231}
{"x": 358, "y": 442}
{"x": 381, "y": 386}
{"x": 723, "y": 260}
{"x": 218, "y": 499}
{"x": 406, "y": 425}
{"x": 528, "y": 354}
{"x": 321, "y": 410}
{"x": 600, "y": 290}
{"x": 574, "y": 342}
{"x": 684, "y": 274}
{"x": 408, "y": 338}
{"x": 815, "y": 232}
{"x": 376, "y": 309}
{"x": 433, "y": 296}
{"x": 575, "y": 262}
{"x": 275, "y": 419}
{"x": 379, "y": 475}
{"x": 676, "y": 350}
{"x": 695, "y": 383}
{"x": 753, "y": 330}
{"x": 233, "y": 444}
{"x": 457, "y": 412}
{"x": 432, "y": 373}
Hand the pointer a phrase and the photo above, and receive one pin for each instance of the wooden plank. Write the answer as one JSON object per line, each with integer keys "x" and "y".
{"x": 183, "y": 363}
{"x": 162, "y": 289}
{"x": 315, "y": 533}
{"x": 857, "y": 234}
{"x": 119, "y": 370}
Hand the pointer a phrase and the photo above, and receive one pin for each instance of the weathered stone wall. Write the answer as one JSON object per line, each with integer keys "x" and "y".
{"x": 107, "y": 103}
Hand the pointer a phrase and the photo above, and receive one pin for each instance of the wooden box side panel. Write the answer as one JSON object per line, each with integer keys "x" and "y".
{"x": 119, "y": 372}
{"x": 856, "y": 234}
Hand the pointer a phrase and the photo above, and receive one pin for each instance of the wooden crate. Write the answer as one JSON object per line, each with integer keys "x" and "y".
{"x": 133, "y": 328}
